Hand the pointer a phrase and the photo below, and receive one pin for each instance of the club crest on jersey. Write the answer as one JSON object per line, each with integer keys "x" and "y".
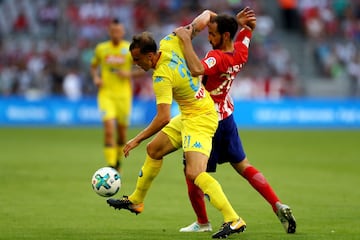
{"x": 124, "y": 51}
{"x": 200, "y": 93}
{"x": 210, "y": 62}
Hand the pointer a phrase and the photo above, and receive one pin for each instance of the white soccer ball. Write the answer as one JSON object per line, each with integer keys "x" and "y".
{"x": 106, "y": 181}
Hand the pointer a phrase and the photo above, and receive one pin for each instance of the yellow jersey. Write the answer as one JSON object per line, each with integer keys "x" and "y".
{"x": 112, "y": 58}
{"x": 172, "y": 80}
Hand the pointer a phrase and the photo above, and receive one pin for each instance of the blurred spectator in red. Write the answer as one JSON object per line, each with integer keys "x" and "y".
{"x": 141, "y": 10}
{"x": 21, "y": 23}
{"x": 289, "y": 14}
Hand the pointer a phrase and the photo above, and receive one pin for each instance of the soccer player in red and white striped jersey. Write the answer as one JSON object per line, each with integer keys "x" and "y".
{"x": 219, "y": 68}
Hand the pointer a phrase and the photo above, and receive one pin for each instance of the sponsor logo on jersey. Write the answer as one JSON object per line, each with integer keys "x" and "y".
{"x": 210, "y": 62}
{"x": 114, "y": 59}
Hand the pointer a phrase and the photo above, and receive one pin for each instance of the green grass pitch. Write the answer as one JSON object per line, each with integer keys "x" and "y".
{"x": 46, "y": 190}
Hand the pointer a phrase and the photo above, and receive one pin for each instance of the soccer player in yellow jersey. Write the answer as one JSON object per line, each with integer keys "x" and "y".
{"x": 192, "y": 130}
{"x": 113, "y": 81}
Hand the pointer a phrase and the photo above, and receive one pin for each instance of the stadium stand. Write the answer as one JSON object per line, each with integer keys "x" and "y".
{"x": 315, "y": 54}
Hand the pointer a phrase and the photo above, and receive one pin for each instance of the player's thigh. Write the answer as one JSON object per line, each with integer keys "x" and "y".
{"x": 234, "y": 149}
{"x": 160, "y": 146}
{"x": 167, "y": 140}
{"x": 197, "y": 133}
{"x": 173, "y": 131}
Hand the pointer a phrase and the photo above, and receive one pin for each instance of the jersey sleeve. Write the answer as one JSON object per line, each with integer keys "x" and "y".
{"x": 244, "y": 34}
{"x": 162, "y": 89}
{"x": 242, "y": 43}
{"x": 211, "y": 63}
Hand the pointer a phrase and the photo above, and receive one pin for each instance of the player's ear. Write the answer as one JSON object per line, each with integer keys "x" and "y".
{"x": 227, "y": 35}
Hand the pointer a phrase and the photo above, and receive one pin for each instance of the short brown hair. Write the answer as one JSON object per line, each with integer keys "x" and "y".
{"x": 145, "y": 42}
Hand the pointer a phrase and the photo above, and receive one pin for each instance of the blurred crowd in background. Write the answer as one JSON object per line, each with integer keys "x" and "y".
{"x": 46, "y": 45}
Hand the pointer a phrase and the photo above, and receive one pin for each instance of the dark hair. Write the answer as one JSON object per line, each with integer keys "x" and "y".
{"x": 115, "y": 21}
{"x": 145, "y": 42}
{"x": 225, "y": 23}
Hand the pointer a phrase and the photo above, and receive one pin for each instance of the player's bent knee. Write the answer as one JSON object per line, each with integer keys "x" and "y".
{"x": 156, "y": 151}
{"x": 158, "y": 148}
{"x": 191, "y": 174}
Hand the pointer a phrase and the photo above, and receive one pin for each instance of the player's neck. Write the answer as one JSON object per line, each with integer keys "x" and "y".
{"x": 156, "y": 59}
{"x": 228, "y": 47}
{"x": 115, "y": 43}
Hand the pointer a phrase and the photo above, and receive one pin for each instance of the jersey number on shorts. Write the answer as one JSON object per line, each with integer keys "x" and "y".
{"x": 186, "y": 143}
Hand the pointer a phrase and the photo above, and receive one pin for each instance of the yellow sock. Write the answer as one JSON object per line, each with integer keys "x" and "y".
{"x": 120, "y": 154}
{"x": 110, "y": 156}
{"x": 217, "y": 198}
{"x": 148, "y": 172}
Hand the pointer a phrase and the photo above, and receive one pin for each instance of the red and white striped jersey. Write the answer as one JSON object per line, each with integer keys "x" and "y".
{"x": 220, "y": 71}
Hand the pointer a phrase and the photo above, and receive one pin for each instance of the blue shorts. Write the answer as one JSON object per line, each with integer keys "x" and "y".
{"x": 226, "y": 145}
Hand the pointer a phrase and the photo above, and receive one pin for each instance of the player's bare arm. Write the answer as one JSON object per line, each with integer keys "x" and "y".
{"x": 135, "y": 72}
{"x": 193, "y": 62}
{"x": 95, "y": 76}
{"x": 187, "y": 33}
{"x": 123, "y": 73}
{"x": 200, "y": 22}
{"x": 162, "y": 118}
{"x": 246, "y": 18}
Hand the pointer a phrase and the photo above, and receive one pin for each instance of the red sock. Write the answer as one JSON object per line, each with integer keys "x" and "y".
{"x": 259, "y": 182}
{"x": 196, "y": 197}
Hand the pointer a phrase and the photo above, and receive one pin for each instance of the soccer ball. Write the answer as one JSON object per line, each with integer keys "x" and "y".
{"x": 106, "y": 181}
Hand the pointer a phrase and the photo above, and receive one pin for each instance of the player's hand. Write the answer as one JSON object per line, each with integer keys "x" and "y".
{"x": 184, "y": 33}
{"x": 133, "y": 143}
{"x": 98, "y": 82}
{"x": 246, "y": 18}
{"x": 124, "y": 74}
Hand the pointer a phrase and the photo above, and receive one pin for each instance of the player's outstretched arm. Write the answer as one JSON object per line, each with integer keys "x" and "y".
{"x": 200, "y": 22}
{"x": 187, "y": 33}
{"x": 161, "y": 118}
